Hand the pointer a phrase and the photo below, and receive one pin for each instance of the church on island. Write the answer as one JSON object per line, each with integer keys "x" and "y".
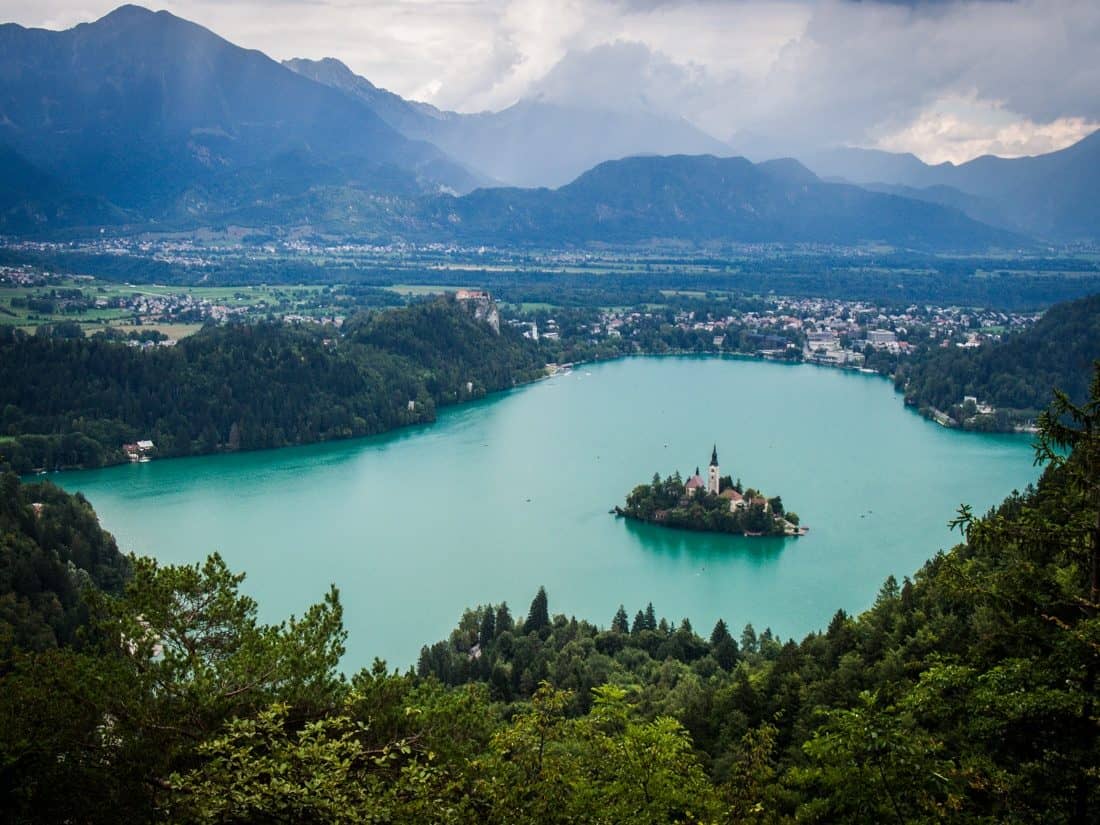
{"x": 713, "y": 504}
{"x": 712, "y": 484}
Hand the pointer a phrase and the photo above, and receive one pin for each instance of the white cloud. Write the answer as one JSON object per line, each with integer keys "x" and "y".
{"x": 958, "y": 130}
{"x": 799, "y": 73}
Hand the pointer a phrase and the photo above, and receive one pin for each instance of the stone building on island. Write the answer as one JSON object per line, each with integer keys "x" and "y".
{"x": 712, "y": 485}
{"x": 696, "y": 483}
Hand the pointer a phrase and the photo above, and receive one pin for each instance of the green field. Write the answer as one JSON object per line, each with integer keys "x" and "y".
{"x": 426, "y": 289}
{"x": 93, "y": 319}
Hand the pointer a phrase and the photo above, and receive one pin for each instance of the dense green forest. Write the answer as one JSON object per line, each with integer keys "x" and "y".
{"x": 1014, "y": 375}
{"x": 964, "y": 694}
{"x": 51, "y": 550}
{"x": 69, "y": 401}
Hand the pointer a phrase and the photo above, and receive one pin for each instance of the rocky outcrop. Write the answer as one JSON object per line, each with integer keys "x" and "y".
{"x": 481, "y": 305}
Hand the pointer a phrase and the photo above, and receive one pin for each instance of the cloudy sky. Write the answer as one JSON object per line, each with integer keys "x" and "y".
{"x": 945, "y": 79}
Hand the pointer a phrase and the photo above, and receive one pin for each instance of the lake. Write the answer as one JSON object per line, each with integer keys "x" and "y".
{"x": 504, "y": 495}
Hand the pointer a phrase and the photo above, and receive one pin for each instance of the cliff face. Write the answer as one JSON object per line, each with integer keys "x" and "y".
{"x": 487, "y": 311}
{"x": 482, "y": 306}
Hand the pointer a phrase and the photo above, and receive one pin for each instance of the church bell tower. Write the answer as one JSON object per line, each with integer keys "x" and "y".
{"x": 712, "y": 472}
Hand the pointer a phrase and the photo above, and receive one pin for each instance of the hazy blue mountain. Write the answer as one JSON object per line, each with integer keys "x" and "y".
{"x": 862, "y": 166}
{"x": 704, "y": 198}
{"x": 158, "y": 114}
{"x": 1051, "y": 196}
{"x": 143, "y": 116}
{"x": 534, "y": 142}
{"x": 406, "y": 116}
{"x": 982, "y": 209}
{"x": 32, "y": 200}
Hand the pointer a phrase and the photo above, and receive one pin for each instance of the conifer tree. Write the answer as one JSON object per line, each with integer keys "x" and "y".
{"x": 620, "y": 624}
{"x": 538, "y": 616}
{"x": 488, "y": 627}
{"x": 650, "y": 617}
{"x": 720, "y": 633}
{"x": 748, "y": 639}
{"x": 504, "y": 619}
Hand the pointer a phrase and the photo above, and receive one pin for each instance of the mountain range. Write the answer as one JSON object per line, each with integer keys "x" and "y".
{"x": 144, "y": 119}
{"x": 706, "y": 199}
{"x": 162, "y": 117}
{"x": 1050, "y": 196}
{"x": 531, "y": 143}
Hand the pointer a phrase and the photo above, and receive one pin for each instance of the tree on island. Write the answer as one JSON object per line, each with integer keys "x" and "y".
{"x": 669, "y": 503}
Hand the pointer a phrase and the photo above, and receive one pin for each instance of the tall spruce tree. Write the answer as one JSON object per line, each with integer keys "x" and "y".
{"x": 720, "y": 633}
{"x": 488, "y": 627}
{"x": 504, "y": 619}
{"x": 748, "y": 639}
{"x": 620, "y": 624}
{"x": 538, "y": 616}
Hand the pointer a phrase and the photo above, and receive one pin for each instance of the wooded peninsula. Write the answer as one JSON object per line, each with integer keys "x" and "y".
{"x": 69, "y": 401}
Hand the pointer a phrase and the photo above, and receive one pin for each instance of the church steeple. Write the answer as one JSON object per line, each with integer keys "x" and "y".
{"x": 712, "y": 472}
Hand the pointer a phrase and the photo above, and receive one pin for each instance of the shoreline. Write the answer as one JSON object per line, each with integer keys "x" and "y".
{"x": 40, "y": 472}
{"x": 619, "y": 512}
{"x": 1017, "y": 429}
{"x": 490, "y": 396}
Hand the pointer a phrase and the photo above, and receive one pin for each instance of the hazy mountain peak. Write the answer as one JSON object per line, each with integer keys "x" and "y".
{"x": 154, "y": 112}
{"x": 1051, "y": 196}
{"x": 542, "y": 140}
{"x": 131, "y": 16}
{"x": 788, "y": 170}
{"x": 130, "y": 11}
{"x": 328, "y": 70}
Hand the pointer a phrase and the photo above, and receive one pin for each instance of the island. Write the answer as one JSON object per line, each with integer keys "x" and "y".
{"x": 717, "y": 504}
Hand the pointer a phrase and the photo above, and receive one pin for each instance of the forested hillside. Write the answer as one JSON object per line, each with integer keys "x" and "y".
{"x": 965, "y": 694}
{"x": 74, "y": 402}
{"x": 51, "y": 549}
{"x": 1015, "y": 376}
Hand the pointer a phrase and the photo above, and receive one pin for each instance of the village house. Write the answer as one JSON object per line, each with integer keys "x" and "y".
{"x": 139, "y": 451}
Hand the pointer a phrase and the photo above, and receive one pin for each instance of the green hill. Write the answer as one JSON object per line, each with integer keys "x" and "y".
{"x": 1015, "y": 375}
{"x": 71, "y": 401}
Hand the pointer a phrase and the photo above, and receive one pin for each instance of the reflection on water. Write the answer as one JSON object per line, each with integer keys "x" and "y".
{"x": 704, "y": 547}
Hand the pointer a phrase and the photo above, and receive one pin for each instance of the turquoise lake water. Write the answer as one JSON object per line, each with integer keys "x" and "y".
{"x": 501, "y": 496}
